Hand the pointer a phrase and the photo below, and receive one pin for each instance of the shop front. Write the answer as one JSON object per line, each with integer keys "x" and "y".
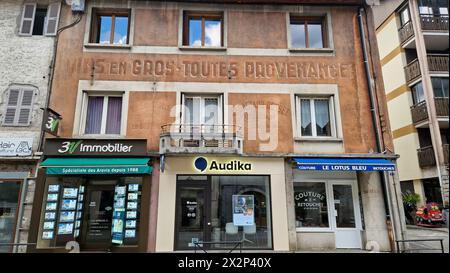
{"x": 95, "y": 193}
{"x": 337, "y": 203}
{"x": 222, "y": 199}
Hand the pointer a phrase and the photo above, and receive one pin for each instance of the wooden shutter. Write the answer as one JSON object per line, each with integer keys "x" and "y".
{"x": 52, "y": 19}
{"x": 27, "y": 22}
{"x": 25, "y": 107}
{"x": 19, "y": 106}
{"x": 11, "y": 107}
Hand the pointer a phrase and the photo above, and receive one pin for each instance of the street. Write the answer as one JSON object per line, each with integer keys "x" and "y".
{"x": 414, "y": 232}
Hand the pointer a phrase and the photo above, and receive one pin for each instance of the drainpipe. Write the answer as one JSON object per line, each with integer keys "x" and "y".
{"x": 52, "y": 72}
{"x": 376, "y": 127}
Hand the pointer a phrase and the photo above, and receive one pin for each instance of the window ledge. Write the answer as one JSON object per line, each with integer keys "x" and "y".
{"x": 322, "y": 230}
{"x": 107, "y": 46}
{"x": 311, "y": 50}
{"x": 313, "y": 139}
{"x": 205, "y": 48}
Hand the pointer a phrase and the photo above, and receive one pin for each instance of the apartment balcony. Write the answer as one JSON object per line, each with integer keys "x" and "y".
{"x": 188, "y": 138}
{"x": 437, "y": 64}
{"x": 426, "y": 157}
{"x": 419, "y": 112}
{"x": 434, "y": 29}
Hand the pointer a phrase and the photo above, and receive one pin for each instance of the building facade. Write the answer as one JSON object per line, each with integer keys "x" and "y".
{"x": 27, "y": 43}
{"x": 187, "y": 123}
{"x": 413, "y": 39}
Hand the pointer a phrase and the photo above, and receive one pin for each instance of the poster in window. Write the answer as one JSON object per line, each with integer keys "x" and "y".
{"x": 46, "y": 235}
{"x": 76, "y": 233}
{"x": 68, "y": 204}
{"x": 81, "y": 189}
{"x": 132, "y": 205}
{"x": 70, "y": 193}
{"x": 133, "y": 187}
{"x": 53, "y": 188}
{"x": 52, "y": 197}
{"x": 243, "y": 210}
{"x": 117, "y": 226}
{"x": 130, "y": 224}
{"x": 50, "y": 216}
{"x": 65, "y": 228}
{"x": 131, "y": 214}
{"x": 67, "y": 216}
{"x": 190, "y": 208}
{"x": 50, "y": 206}
{"x": 77, "y": 224}
{"x": 130, "y": 233}
{"x": 120, "y": 190}
{"x": 80, "y": 197}
{"x": 49, "y": 225}
{"x": 132, "y": 196}
{"x": 79, "y": 215}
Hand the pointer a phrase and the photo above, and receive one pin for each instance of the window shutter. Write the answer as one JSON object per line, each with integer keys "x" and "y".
{"x": 25, "y": 107}
{"x": 11, "y": 107}
{"x": 52, "y": 19}
{"x": 27, "y": 22}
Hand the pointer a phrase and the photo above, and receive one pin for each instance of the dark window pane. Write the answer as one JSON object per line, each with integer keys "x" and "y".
{"x": 417, "y": 92}
{"x": 343, "y": 205}
{"x": 105, "y": 29}
{"x": 94, "y": 115}
{"x": 310, "y": 205}
{"x": 213, "y": 33}
{"x": 114, "y": 115}
{"x": 306, "y": 117}
{"x": 315, "y": 35}
{"x": 9, "y": 197}
{"x": 195, "y": 32}
{"x": 298, "y": 38}
{"x": 440, "y": 87}
{"x": 121, "y": 30}
{"x": 39, "y": 19}
{"x": 322, "y": 117}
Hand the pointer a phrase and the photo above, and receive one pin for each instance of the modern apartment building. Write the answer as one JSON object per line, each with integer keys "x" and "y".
{"x": 413, "y": 45}
{"x": 191, "y": 122}
{"x": 27, "y": 35}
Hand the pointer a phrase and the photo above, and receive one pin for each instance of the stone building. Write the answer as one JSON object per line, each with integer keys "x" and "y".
{"x": 212, "y": 121}
{"x": 26, "y": 51}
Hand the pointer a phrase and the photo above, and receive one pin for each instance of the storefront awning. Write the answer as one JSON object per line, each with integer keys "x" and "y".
{"x": 344, "y": 164}
{"x": 67, "y": 166}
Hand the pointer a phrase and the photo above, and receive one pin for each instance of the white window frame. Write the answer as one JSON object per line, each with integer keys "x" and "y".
{"x": 202, "y": 98}
{"x": 331, "y": 109}
{"x": 105, "y": 96}
{"x": 329, "y": 203}
{"x": 19, "y": 106}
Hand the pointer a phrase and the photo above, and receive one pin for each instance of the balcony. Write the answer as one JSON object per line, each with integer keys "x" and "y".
{"x": 426, "y": 157}
{"x": 445, "y": 148}
{"x": 188, "y": 138}
{"x": 419, "y": 111}
{"x": 437, "y": 64}
{"x": 434, "y": 29}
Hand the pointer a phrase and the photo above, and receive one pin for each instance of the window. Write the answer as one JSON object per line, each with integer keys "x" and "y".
{"x": 433, "y": 7}
{"x": 110, "y": 27}
{"x": 40, "y": 20}
{"x": 103, "y": 115}
{"x": 203, "y": 29}
{"x": 9, "y": 204}
{"x": 315, "y": 117}
{"x": 440, "y": 87}
{"x": 19, "y": 105}
{"x": 202, "y": 110}
{"x": 308, "y": 32}
{"x": 404, "y": 16}
{"x": 311, "y": 208}
{"x": 417, "y": 93}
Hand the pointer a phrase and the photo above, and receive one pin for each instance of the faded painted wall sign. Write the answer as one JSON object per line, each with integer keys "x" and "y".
{"x": 213, "y": 70}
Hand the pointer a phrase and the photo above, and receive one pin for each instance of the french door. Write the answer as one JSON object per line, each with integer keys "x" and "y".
{"x": 202, "y": 113}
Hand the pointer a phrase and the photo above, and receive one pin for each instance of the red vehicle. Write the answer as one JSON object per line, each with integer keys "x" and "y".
{"x": 430, "y": 215}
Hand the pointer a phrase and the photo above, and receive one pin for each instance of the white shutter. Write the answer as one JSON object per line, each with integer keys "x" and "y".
{"x": 27, "y": 22}
{"x": 25, "y": 107}
{"x": 52, "y": 19}
{"x": 11, "y": 107}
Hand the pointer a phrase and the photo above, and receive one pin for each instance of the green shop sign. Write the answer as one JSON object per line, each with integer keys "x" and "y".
{"x": 100, "y": 170}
